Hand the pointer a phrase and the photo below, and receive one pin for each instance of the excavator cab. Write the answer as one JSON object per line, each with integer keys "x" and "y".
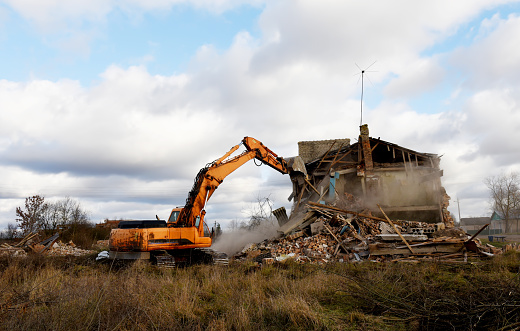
{"x": 174, "y": 215}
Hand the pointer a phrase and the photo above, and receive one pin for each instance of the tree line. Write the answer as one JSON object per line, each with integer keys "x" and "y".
{"x": 65, "y": 216}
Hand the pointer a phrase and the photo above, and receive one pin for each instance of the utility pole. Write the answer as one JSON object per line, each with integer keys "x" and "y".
{"x": 458, "y": 206}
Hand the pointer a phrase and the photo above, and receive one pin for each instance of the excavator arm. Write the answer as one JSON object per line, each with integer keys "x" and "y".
{"x": 210, "y": 177}
{"x": 178, "y": 240}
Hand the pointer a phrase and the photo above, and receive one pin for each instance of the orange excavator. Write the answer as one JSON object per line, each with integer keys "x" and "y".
{"x": 185, "y": 238}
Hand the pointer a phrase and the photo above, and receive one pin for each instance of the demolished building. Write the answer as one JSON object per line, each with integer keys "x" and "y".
{"x": 369, "y": 200}
{"x": 371, "y": 172}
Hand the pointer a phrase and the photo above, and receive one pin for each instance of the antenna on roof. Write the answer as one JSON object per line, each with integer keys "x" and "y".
{"x": 362, "y": 72}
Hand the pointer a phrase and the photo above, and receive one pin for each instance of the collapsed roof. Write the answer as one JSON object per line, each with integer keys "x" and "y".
{"x": 370, "y": 175}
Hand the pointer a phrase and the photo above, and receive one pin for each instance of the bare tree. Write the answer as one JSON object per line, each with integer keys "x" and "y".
{"x": 30, "y": 217}
{"x": 50, "y": 216}
{"x": 63, "y": 213}
{"x": 50, "y": 219}
{"x": 70, "y": 212}
{"x": 505, "y": 196}
{"x": 236, "y": 225}
{"x": 260, "y": 213}
{"x": 11, "y": 231}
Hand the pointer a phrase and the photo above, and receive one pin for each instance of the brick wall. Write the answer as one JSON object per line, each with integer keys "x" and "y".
{"x": 312, "y": 150}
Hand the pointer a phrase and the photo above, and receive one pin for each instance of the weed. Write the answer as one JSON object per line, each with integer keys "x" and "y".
{"x": 41, "y": 293}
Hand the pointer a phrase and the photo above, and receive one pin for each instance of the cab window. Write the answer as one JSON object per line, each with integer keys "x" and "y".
{"x": 173, "y": 216}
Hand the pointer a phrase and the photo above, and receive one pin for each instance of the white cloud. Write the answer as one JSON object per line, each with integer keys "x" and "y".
{"x": 102, "y": 128}
{"x": 420, "y": 76}
{"x": 493, "y": 59}
{"x": 55, "y": 14}
{"x": 348, "y": 32}
{"x": 216, "y": 6}
{"x": 136, "y": 140}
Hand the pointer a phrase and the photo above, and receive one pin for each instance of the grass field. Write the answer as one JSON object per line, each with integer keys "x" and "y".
{"x": 79, "y": 294}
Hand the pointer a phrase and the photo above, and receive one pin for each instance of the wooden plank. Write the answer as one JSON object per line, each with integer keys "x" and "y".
{"x": 411, "y": 208}
{"x": 341, "y": 158}
{"x": 300, "y": 197}
{"x": 404, "y": 162}
{"x": 433, "y": 242}
{"x": 314, "y": 189}
{"x": 335, "y": 156}
{"x": 335, "y": 238}
{"x": 396, "y": 229}
{"x": 326, "y": 154}
{"x": 449, "y": 248}
{"x": 292, "y": 224}
{"x": 374, "y": 146}
{"x": 308, "y": 222}
{"x": 389, "y": 169}
{"x": 410, "y": 161}
{"x": 30, "y": 236}
{"x": 345, "y": 171}
{"x": 478, "y": 232}
{"x": 344, "y": 211}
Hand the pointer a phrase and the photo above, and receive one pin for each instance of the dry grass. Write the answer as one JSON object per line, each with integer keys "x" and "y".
{"x": 72, "y": 293}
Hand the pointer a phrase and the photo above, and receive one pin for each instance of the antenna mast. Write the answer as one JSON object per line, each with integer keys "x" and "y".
{"x": 363, "y": 87}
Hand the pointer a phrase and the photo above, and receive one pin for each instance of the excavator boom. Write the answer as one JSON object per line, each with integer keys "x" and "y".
{"x": 185, "y": 237}
{"x": 209, "y": 178}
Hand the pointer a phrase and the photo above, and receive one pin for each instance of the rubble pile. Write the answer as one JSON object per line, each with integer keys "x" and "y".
{"x": 8, "y": 250}
{"x": 62, "y": 249}
{"x": 20, "y": 248}
{"x": 334, "y": 234}
{"x": 49, "y": 246}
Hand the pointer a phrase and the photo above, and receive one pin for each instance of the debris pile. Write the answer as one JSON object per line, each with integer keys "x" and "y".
{"x": 61, "y": 249}
{"x": 49, "y": 246}
{"x": 20, "y": 248}
{"x": 334, "y": 234}
{"x": 8, "y": 250}
{"x": 370, "y": 177}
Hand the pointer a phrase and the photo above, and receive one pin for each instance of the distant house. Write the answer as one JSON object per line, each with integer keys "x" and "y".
{"x": 514, "y": 224}
{"x": 472, "y": 224}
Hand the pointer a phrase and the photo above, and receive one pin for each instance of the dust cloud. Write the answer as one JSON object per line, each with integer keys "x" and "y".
{"x": 234, "y": 241}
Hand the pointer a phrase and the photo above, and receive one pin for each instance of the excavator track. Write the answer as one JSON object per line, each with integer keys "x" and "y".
{"x": 165, "y": 261}
{"x": 218, "y": 258}
{"x": 197, "y": 256}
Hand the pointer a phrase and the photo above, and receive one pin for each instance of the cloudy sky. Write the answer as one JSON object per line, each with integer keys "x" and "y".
{"x": 119, "y": 103}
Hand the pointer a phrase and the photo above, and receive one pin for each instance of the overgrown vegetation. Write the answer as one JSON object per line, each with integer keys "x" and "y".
{"x": 68, "y": 293}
